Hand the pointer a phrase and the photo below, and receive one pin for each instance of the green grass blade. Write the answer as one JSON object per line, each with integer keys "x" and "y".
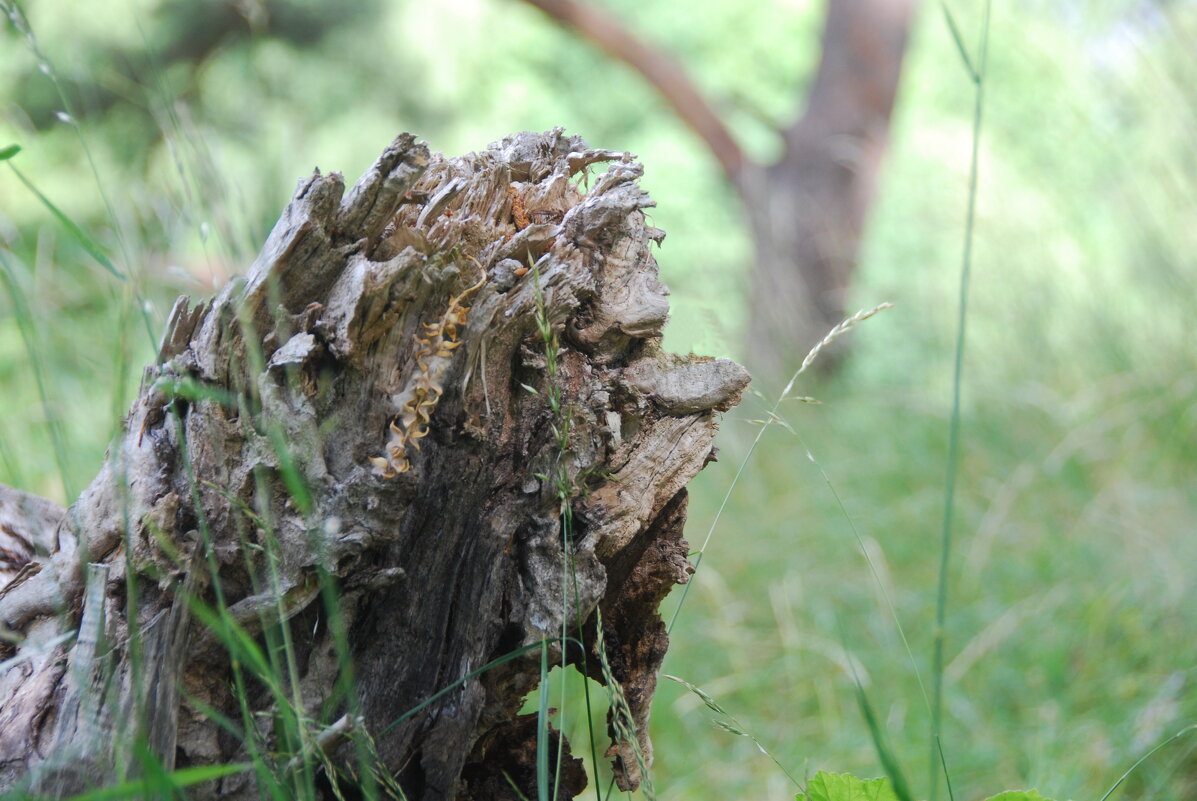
{"x": 889, "y": 762}
{"x": 715, "y": 522}
{"x": 17, "y": 17}
{"x": 178, "y": 780}
{"x": 732, "y": 725}
{"x": 516, "y": 654}
{"x": 9, "y": 152}
{"x": 25, "y": 324}
{"x": 514, "y": 787}
{"x": 941, "y": 599}
{"x": 156, "y": 779}
{"x": 232, "y": 636}
{"x": 772, "y": 417}
{"x": 542, "y": 727}
{"x": 77, "y": 233}
{"x": 293, "y": 479}
{"x": 1145, "y": 757}
{"x": 212, "y": 713}
{"x": 954, "y": 29}
{"x": 947, "y": 777}
{"x": 893, "y": 611}
{"x": 623, "y": 724}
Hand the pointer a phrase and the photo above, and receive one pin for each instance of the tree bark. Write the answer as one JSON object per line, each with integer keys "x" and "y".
{"x": 807, "y": 210}
{"x": 402, "y": 452}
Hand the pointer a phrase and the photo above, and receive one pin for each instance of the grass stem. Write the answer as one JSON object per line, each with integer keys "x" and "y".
{"x": 945, "y": 549}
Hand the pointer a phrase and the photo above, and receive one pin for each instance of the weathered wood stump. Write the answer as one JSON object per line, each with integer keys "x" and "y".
{"x": 432, "y": 425}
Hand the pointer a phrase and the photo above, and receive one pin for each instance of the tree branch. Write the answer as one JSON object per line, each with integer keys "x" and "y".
{"x": 658, "y": 69}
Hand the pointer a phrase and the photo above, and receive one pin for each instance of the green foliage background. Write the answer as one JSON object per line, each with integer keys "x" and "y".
{"x": 1072, "y": 639}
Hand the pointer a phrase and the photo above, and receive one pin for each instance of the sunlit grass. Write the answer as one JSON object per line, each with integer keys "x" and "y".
{"x": 1054, "y": 679}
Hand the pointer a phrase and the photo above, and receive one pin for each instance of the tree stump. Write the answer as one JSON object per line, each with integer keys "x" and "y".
{"x": 432, "y": 426}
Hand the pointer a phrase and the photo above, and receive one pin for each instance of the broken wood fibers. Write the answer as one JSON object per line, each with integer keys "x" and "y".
{"x": 356, "y": 410}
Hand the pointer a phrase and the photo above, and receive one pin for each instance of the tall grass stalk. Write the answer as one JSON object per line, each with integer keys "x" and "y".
{"x": 565, "y": 488}
{"x": 542, "y": 726}
{"x": 977, "y": 74}
{"x": 16, "y": 16}
{"x": 27, "y": 327}
{"x": 624, "y": 724}
{"x": 730, "y": 724}
{"x": 889, "y": 762}
{"x": 772, "y": 417}
{"x": 1145, "y": 757}
{"x": 889, "y": 602}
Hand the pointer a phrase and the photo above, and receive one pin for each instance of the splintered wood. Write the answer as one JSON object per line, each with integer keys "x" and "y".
{"x": 354, "y": 439}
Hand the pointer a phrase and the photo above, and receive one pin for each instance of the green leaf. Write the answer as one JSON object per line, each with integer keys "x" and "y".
{"x": 80, "y": 236}
{"x": 846, "y": 787}
{"x": 9, "y": 152}
{"x": 1018, "y": 795}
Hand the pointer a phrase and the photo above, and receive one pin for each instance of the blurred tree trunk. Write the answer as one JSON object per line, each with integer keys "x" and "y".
{"x": 807, "y": 210}
{"x": 371, "y": 443}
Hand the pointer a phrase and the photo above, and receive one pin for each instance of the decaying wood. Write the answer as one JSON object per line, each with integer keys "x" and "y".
{"x": 26, "y": 525}
{"x": 357, "y": 410}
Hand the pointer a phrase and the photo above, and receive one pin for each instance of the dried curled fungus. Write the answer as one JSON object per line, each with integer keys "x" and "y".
{"x": 433, "y": 355}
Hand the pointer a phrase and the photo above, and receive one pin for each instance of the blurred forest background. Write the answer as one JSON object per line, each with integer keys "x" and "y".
{"x": 174, "y": 133}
